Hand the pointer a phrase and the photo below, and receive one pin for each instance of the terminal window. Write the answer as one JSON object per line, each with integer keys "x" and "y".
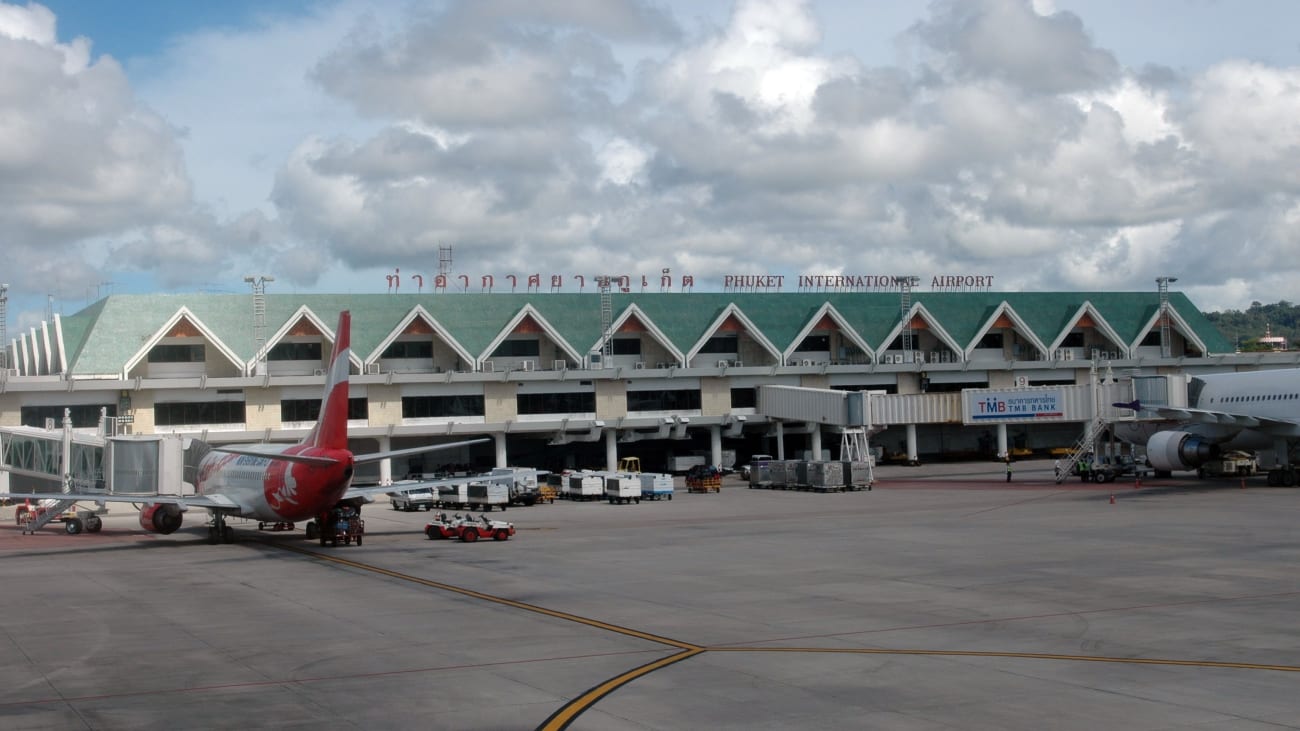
{"x": 409, "y": 349}
{"x": 556, "y": 403}
{"x": 744, "y": 398}
{"x": 815, "y": 344}
{"x": 423, "y": 407}
{"x": 84, "y": 416}
{"x": 309, "y": 409}
{"x": 175, "y": 353}
{"x": 197, "y": 413}
{"x": 680, "y": 400}
{"x": 296, "y": 351}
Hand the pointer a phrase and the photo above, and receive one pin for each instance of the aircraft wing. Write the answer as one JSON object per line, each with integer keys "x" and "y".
{"x": 1268, "y": 425}
{"x": 376, "y": 456}
{"x": 206, "y": 502}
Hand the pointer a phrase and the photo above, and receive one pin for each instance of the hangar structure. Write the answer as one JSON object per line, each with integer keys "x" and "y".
{"x": 564, "y": 380}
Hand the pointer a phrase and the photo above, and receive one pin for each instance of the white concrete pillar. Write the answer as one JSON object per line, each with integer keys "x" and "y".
{"x": 385, "y": 464}
{"x": 911, "y": 443}
{"x": 1003, "y": 452}
{"x": 499, "y": 441}
{"x": 611, "y": 449}
{"x": 715, "y": 445}
{"x": 815, "y": 443}
{"x": 780, "y": 440}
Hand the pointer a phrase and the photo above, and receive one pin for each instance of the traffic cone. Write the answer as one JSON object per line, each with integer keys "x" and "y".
{"x": 1112, "y": 498}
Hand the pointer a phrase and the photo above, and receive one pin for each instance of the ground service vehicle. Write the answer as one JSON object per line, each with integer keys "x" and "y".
{"x": 342, "y": 524}
{"x": 498, "y": 530}
{"x": 441, "y": 526}
{"x": 413, "y": 500}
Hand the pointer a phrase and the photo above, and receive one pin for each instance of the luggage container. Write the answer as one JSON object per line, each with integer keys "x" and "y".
{"x": 857, "y": 475}
{"x": 453, "y": 496}
{"x": 623, "y": 488}
{"x": 586, "y": 486}
{"x": 486, "y": 495}
{"x": 656, "y": 485}
{"x": 825, "y": 476}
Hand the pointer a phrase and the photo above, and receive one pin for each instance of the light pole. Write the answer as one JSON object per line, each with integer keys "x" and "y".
{"x": 258, "y": 283}
{"x": 1166, "y": 347}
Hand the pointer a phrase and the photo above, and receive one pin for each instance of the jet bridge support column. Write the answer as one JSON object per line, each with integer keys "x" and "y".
{"x": 780, "y": 440}
{"x": 815, "y": 443}
{"x": 911, "y": 443}
{"x": 611, "y": 450}
{"x": 385, "y": 464}
{"x": 499, "y": 442}
{"x": 1003, "y": 452}
{"x": 715, "y": 445}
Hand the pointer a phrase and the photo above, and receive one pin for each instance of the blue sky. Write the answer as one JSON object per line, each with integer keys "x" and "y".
{"x": 1055, "y": 144}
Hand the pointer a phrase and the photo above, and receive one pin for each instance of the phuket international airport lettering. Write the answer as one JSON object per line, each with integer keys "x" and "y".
{"x": 1046, "y": 404}
{"x": 665, "y": 281}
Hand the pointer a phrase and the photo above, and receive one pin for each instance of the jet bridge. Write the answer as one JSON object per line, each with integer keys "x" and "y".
{"x": 61, "y": 461}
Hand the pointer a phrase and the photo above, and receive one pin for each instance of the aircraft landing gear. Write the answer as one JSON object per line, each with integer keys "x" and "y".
{"x": 218, "y": 531}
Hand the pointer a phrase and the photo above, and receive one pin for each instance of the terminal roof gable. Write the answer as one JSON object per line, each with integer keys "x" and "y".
{"x": 827, "y": 312}
{"x": 1176, "y": 321}
{"x": 419, "y": 314}
{"x": 58, "y": 342}
{"x": 294, "y": 326}
{"x": 1002, "y": 314}
{"x": 634, "y": 314}
{"x": 920, "y": 312}
{"x": 532, "y": 320}
{"x": 181, "y": 321}
{"x": 732, "y": 313}
{"x": 1088, "y": 316}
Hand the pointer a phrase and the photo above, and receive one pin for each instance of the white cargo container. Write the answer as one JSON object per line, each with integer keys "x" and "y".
{"x": 655, "y": 485}
{"x": 486, "y": 495}
{"x": 622, "y": 487}
{"x": 586, "y": 486}
{"x": 453, "y": 496}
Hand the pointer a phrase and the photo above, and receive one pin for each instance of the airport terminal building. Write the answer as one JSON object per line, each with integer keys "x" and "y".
{"x": 576, "y": 380}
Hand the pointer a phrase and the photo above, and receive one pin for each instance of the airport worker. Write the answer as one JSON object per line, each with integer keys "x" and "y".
{"x": 1056, "y": 468}
{"x": 1008, "y": 469}
{"x": 1083, "y": 469}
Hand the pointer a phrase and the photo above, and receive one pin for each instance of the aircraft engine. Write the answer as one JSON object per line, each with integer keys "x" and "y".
{"x": 161, "y": 518}
{"x": 1179, "y": 450}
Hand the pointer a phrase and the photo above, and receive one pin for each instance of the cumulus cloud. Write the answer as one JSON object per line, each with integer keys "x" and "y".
{"x": 548, "y": 136}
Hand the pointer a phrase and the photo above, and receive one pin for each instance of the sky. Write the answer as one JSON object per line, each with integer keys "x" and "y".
{"x": 337, "y": 145}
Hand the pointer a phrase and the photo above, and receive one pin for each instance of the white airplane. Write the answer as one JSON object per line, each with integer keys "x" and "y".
{"x": 1251, "y": 411}
{"x": 278, "y": 484}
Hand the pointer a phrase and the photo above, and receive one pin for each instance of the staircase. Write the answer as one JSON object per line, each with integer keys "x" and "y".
{"x": 1082, "y": 446}
{"x": 43, "y": 512}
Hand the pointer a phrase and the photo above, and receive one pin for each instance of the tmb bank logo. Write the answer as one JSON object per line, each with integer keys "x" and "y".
{"x": 1045, "y": 405}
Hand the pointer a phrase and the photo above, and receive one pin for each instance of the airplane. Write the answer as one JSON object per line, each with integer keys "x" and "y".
{"x": 279, "y": 484}
{"x": 1226, "y": 411}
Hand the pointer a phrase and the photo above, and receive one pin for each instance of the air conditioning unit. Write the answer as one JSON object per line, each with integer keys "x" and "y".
{"x": 1069, "y": 355}
{"x": 559, "y": 365}
{"x": 639, "y": 365}
{"x": 805, "y": 362}
{"x": 528, "y": 365}
{"x": 738, "y": 363}
{"x": 663, "y": 365}
{"x": 318, "y": 372}
{"x": 372, "y": 369}
{"x": 489, "y": 366}
{"x": 722, "y": 364}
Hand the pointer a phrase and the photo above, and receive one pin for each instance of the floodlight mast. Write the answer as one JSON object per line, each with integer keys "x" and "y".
{"x": 1166, "y": 340}
{"x": 258, "y": 283}
{"x": 905, "y": 284}
{"x": 4, "y": 326}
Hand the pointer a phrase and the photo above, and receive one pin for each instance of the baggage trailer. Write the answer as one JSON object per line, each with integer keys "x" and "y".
{"x": 623, "y": 488}
{"x": 586, "y": 486}
{"x": 656, "y": 485}
{"x": 486, "y": 495}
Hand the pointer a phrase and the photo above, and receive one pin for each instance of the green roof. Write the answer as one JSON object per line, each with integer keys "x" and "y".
{"x": 103, "y": 337}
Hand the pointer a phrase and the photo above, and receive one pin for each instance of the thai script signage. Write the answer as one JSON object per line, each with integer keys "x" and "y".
{"x": 666, "y": 282}
{"x": 1024, "y": 405}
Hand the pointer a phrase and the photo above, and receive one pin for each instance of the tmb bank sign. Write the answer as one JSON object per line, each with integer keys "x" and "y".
{"x": 986, "y": 406}
{"x": 854, "y": 282}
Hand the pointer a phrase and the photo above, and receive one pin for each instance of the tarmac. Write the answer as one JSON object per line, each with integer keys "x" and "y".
{"x": 945, "y": 598}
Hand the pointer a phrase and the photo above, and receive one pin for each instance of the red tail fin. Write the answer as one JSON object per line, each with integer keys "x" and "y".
{"x": 331, "y": 430}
